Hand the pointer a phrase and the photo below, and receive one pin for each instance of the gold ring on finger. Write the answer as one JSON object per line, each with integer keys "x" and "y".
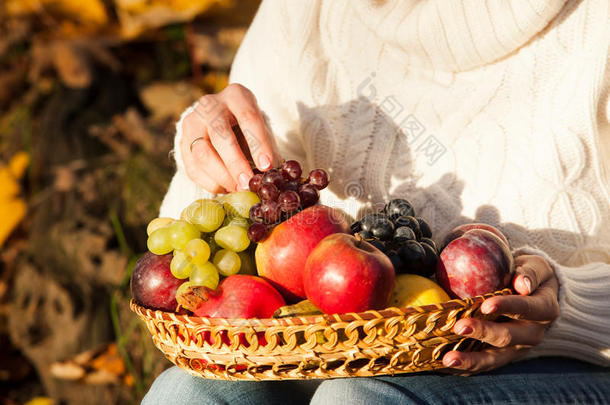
{"x": 195, "y": 141}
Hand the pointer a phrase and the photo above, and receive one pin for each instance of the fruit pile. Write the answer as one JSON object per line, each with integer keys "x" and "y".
{"x": 306, "y": 253}
{"x": 210, "y": 240}
{"x": 283, "y": 193}
{"x": 404, "y": 238}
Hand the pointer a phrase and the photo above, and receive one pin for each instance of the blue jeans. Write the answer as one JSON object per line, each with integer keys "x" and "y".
{"x": 538, "y": 381}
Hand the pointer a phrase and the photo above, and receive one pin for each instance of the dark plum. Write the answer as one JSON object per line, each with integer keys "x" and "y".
{"x": 152, "y": 282}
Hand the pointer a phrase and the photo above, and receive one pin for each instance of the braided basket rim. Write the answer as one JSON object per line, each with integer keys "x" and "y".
{"x": 458, "y": 303}
{"x": 412, "y": 339}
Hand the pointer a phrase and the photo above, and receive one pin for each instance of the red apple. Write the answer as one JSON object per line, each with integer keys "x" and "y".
{"x": 461, "y": 229}
{"x": 476, "y": 263}
{"x": 281, "y": 257}
{"x": 152, "y": 282}
{"x": 347, "y": 274}
{"x": 237, "y": 296}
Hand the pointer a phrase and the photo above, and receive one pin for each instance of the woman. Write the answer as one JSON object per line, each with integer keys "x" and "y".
{"x": 490, "y": 111}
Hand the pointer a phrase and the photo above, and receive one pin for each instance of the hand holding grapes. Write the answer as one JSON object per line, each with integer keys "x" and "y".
{"x": 210, "y": 148}
{"x": 532, "y": 309}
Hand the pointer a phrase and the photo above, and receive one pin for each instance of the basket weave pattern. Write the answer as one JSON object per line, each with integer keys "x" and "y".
{"x": 391, "y": 341}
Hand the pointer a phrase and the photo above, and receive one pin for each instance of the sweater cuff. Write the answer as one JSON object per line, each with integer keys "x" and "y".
{"x": 182, "y": 190}
{"x": 177, "y": 152}
{"x": 582, "y": 330}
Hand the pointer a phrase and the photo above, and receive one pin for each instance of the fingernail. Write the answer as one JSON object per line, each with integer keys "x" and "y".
{"x": 528, "y": 284}
{"x": 243, "y": 181}
{"x": 454, "y": 363}
{"x": 465, "y": 330}
{"x": 489, "y": 310}
{"x": 264, "y": 162}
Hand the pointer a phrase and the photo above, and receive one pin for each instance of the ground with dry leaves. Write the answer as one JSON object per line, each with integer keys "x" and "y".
{"x": 88, "y": 100}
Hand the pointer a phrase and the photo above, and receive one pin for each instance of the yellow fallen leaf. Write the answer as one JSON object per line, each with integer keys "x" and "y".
{"x": 135, "y": 16}
{"x": 102, "y": 365}
{"x": 40, "y": 401}
{"x": 85, "y": 12}
{"x": 12, "y": 207}
{"x": 19, "y": 163}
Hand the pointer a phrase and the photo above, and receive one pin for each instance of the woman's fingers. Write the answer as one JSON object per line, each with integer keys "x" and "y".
{"x": 193, "y": 154}
{"x": 216, "y": 119}
{"x": 532, "y": 310}
{"x": 199, "y": 176}
{"x": 540, "y": 306}
{"x": 225, "y": 143}
{"x": 531, "y": 271}
{"x": 242, "y": 104}
{"x": 501, "y": 334}
{"x": 199, "y": 173}
{"x": 208, "y": 161}
{"x": 475, "y": 362}
{"x": 202, "y": 163}
{"x": 211, "y": 151}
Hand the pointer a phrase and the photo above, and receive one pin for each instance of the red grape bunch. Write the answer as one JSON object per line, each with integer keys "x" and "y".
{"x": 283, "y": 193}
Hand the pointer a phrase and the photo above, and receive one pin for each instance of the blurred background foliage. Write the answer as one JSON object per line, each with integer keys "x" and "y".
{"x": 89, "y": 95}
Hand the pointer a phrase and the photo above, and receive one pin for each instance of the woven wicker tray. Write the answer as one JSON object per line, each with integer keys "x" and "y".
{"x": 391, "y": 341}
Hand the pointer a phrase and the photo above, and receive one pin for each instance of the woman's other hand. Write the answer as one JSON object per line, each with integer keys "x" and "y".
{"x": 532, "y": 310}
{"x": 210, "y": 148}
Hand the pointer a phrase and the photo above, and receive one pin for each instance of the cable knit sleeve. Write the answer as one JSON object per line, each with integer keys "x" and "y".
{"x": 256, "y": 67}
{"x": 264, "y": 65}
{"x": 582, "y": 329}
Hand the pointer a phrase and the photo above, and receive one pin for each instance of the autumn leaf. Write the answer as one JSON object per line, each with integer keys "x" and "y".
{"x": 136, "y": 16}
{"x": 12, "y": 206}
{"x": 85, "y": 12}
{"x": 40, "y": 401}
{"x": 102, "y": 365}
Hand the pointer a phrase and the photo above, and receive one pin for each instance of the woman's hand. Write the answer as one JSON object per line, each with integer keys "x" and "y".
{"x": 531, "y": 311}
{"x": 210, "y": 148}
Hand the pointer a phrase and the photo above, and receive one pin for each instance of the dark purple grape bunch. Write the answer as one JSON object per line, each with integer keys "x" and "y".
{"x": 403, "y": 237}
{"x": 284, "y": 192}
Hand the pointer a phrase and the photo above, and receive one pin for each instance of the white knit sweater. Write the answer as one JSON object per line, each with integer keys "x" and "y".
{"x": 491, "y": 111}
